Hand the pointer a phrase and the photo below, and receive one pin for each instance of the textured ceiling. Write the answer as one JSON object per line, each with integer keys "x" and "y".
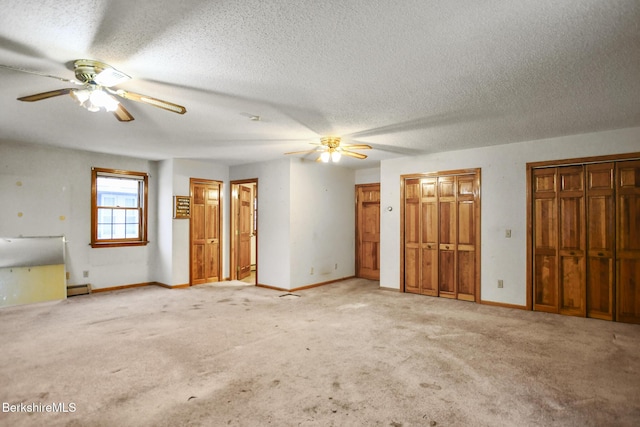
{"x": 406, "y": 77}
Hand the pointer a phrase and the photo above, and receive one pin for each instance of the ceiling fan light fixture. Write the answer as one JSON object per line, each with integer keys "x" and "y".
{"x": 325, "y": 156}
{"x": 80, "y": 95}
{"x": 335, "y": 156}
{"x": 330, "y": 141}
{"x": 94, "y": 100}
{"x": 101, "y": 99}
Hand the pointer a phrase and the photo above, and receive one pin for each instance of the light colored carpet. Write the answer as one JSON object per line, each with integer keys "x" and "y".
{"x": 345, "y": 354}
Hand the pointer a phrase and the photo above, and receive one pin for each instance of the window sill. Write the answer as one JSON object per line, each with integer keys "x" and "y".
{"x": 117, "y": 244}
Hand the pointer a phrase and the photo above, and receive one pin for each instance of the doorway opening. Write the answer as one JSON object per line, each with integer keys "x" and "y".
{"x": 244, "y": 231}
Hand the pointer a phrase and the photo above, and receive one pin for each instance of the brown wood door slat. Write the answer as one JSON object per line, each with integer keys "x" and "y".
{"x": 412, "y": 233}
{"x": 571, "y": 250}
{"x": 600, "y": 240}
{"x": 628, "y": 246}
{"x": 545, "y": 251}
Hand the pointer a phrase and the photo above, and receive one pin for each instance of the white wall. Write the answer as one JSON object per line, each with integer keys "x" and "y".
{"x": 164, "y": 263}
{"x": 183, "y": 170}
{"x": 306, "y": 219}
{"x": 503, "y": 202}
{"x": 322, "y": 222}
{"x": 46, "y": 191}
{"x": 368, "y": 176}
{"x": 273, "y": 218}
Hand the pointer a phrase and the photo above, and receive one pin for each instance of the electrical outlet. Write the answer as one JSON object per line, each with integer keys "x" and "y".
{"x": 501, "y": 283}
{"x": 311, "y": 270}
{"x": 507, "y": 233}
{"x": 336, "y": 266}
{"x": 85, "y": 273}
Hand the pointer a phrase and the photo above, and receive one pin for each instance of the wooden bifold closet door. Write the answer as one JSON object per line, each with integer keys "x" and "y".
{"x": 586, "y": 240}
{"x": 441, "y": 223}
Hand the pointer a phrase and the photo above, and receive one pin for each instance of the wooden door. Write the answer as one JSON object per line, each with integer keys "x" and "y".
{"x": 600, "y": 240}
{"x": 205, "y": 231}
{"x": 411, "y": 232}
{"x": 571, "y": 241}
{"x": 585, "y": 222}
{"x": 628, "y": 242}
{"x": 447, "y": 220}
{"x": 441, "y": 216}
{"x": 368, "y": 231}
{"x": 466, "y": 239}
{"x": 545, "y": 238}
{"x": 245, "y": 230}
{"x": 429, "y": 253}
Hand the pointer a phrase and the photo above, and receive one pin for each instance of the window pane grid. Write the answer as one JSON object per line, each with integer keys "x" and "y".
{"x": 118, "y": 223}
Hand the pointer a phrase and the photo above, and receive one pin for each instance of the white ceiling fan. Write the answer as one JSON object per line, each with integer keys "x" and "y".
{"x": 331, "y": 150}
{"x": 96, "y": 90}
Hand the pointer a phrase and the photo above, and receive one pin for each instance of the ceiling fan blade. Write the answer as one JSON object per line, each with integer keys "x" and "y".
{"x": 122, "y": 114}
{"x": 303, "y": 152}
{"x": 37, "y": 73}
{"x": 357, "y": 147}
{"x": 169, "y": 106}
{"x": 353, "y": 154}
{"x": 45, "y": 95}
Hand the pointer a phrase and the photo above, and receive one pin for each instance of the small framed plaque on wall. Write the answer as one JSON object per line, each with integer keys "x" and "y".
{"x": 181, "y": 207}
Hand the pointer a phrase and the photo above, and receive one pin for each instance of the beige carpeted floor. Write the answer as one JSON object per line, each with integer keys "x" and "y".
{"x": 345, "y": 354}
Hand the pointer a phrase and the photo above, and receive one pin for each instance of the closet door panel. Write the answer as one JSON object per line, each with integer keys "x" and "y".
{"x": 447, "y": 222}
{"x": 466, "y": 275}
{"x": 466, "y": 225}
{"x": 572, "y": 289}
{"x": 429, "y": 284}
{"x": 628, "y": 250}
{"x": 546, "y": 289}
{"x": 412, "y": 236}
{"x": 571, "y": 249}
{"x": 447, "y": 236}
{"x": 447, "y": 283}
{"x": 629, "y": 291}
{"x": 429, "y": 271}
{"x": 600, "y": 288}
{"x": 412, "y": 270}
{"x": 600, "y": 240}
{"x": 466, "y": 238}
{"x": 545, "y": 250}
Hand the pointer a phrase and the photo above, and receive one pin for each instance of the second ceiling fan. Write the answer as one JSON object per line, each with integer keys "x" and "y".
{"x": 331, "y": 150}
